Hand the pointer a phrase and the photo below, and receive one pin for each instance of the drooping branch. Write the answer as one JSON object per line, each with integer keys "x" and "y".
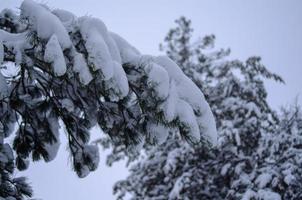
{"x": 74, "y": 71}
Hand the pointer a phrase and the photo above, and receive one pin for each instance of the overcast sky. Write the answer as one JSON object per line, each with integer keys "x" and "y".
{"x": 270, "y": 29}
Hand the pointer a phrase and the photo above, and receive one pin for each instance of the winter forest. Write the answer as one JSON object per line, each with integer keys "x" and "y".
{"x": 192, "y": 122}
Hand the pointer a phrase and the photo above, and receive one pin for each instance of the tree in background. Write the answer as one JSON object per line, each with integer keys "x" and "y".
{"x": 281, "y": 171}
{"x": 63, "y": 72}
{"x": 250, "y": 161}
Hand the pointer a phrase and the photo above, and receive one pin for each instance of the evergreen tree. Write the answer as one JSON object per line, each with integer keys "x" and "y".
{"x": 281, "y": 170}
{"x": 236, "y": 93}
{"x": 59, "y": 71}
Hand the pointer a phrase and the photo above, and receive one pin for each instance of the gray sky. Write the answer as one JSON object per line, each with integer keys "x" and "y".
{"x": 270, "y": 29}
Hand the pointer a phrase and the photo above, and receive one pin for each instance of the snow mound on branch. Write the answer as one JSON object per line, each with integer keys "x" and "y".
{"x": 44, "y": 22}
{"x": 120, "y": 80}
{"x": 158, "y": 78}
{"x": 80, "y": 66}
{"x": 128, "y": 53}
{"x": 95, "y": 34}
{"x": 54, "y": 55}
{"x": 104, "y": 55}
{"x": 186, "y": 115}
{"x": 68, "y": 19}
{"x": 192, "y": 98}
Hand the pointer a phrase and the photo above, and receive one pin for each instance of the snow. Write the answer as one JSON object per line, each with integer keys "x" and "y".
{"x": 120, "y": 80}
{"x": 186, "y": 115}
{"x": 225, "y": 169}
{"x": 68, "y": 19}
{"x": 158, "y": 79}
{"x": 178, "y": 186}
{"x": 54, "y": 55}
{"x": 93, "y": 32}
{"x": 249, "y": 195}
{"x": 289, "y": 179}
{"x": 237, "y": 137}
{"x": 104, "y": 55}
{"x": 263, "y": 180}
{"x": 169, "y": 106}
{"x": 157, "y": 133}
{"x": 252, "y": 107}
{"x": 192, "y": 96}
{"x": 81, "y": 68}
{"x": 128, "y": 53}
{"x": 176, "y": 189}
{"x": 268, "y": 195}
{"x": 44, "y": 22}
{"x": 261, "y": 194}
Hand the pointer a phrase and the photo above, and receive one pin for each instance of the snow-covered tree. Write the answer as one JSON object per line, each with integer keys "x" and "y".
{"x": 281, "y": 173}
{"x": 236, "y": 93}
{"x": 62, "y": 71}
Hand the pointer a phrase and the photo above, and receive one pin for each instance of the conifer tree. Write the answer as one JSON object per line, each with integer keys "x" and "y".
{"x": 236, "y": 93}
{"x": 281, "y": 170}
{"x": 62, "y": 72}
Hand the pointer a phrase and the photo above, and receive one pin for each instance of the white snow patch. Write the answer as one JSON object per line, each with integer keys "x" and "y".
{"x": 225, "y": 169}
{"x": 268, "y": 195}
{"x": 158, "y": 79}
{"x": 186, "y": 116}
{"x": 157, "y": 133}
{"x": 68, "y": 19}
{"x": 54, "y": 55}
{"x": 249, "y": 195}
{"x": 128, "y": 53}
{"x": 94, "y": 32}
{"x": 81, "y": 68}
{"x": 120, "y": 80}
{"x": 169, "y": 105}
{"x": 44, "y": 22}
{"x": 191, "y": 94}
{"x": 263, "y": 180}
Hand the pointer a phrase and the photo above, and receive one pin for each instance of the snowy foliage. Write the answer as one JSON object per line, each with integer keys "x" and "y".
{"x": 72, "y": 74}
{"x": 259, "y": 153}
{"x": 281, "y": 171}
